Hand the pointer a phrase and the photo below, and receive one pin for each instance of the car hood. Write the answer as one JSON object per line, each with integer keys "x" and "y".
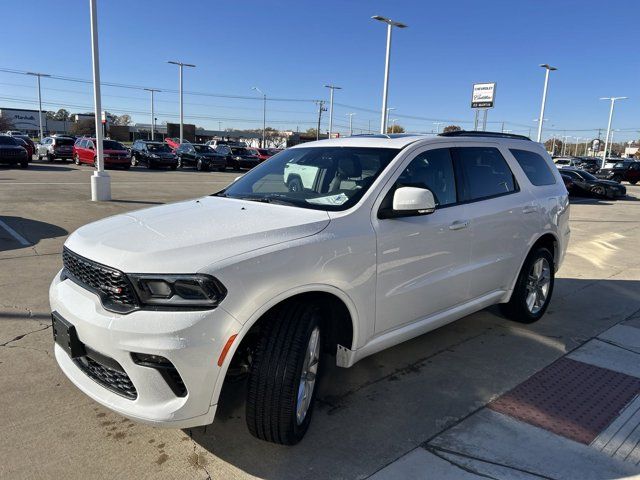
{"x": 609, "y": 183}
{"x": 187, "y": 236}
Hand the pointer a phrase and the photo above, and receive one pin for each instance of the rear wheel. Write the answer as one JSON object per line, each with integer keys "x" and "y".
{"x": 282, "y": 379}
{"x": 76, "y": 159}
{"x": 134, "y": 161}
{"x": 49, "y": 157}
{"x": 179, "y": 162}
{"x": 533, "y": 289}
{"x": 201, "y": 166}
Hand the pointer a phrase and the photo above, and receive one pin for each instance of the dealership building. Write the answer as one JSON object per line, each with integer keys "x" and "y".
{"x": 27, "y": 122}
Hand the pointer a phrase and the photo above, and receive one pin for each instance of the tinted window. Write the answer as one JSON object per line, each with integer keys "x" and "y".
{"x": 535, "y": 167}
{"x": 484, "y": 171}
{"x": 112, "y": 145}
{"x": 157, "y": 147}
{"x": 433, "y": 170}
{"x": 64, "y": 141}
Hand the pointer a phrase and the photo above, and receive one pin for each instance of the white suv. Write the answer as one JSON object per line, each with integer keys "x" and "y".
{"x": 394, "y": 237}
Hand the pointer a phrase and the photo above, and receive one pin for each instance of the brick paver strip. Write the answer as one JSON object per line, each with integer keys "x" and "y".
{"x": 570, "y": 398}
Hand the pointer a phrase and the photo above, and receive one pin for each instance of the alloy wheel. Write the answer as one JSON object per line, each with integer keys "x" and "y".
{"x": 538, "y": 284}
{"x": 308, "y": 376}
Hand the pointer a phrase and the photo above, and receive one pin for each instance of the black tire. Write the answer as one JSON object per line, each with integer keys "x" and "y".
{"x": 134, "y": 161}
{"x": 599, "y": 191}
{"x": 49, "y": 157}
{"x": 295, "y": 184}
{"x": 76, "y": 159}
{"x": 275, "y": 374}
{"x": 149, "y": 164}
{"x": 633, "y": 182}
{"x": 516, "y": 309}
{"x": 201, "y": 166}
{"x": 24, "y": 164}
{"x": 179, "y": 162}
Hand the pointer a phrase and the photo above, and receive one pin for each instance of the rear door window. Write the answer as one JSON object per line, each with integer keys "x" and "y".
{"x": 534, "y": 166}
{"x": 483, "y": 173}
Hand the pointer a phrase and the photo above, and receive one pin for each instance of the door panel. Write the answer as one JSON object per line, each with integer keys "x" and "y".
{"x": 422, "y": 260}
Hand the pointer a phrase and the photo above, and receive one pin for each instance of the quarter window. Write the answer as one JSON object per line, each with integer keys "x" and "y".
{"x": 432, "y": 169}
{"x": 535, "y": 167}
{"x": 484, "y": 173}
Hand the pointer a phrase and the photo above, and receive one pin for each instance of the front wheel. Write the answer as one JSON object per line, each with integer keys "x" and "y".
{"x": 599, "y": 191}
{"x": 134, "y": 161}
{"x": 282, "y": 379}
{"x": 76, "y": 159}
{"x": 533, "y": 289}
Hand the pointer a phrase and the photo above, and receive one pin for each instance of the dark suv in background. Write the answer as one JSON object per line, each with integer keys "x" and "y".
{"x": 12, "y": 153}
{"x": 153, "y": 155}
{"x": 625, "y": 170}
{"x": 200, "y": 156}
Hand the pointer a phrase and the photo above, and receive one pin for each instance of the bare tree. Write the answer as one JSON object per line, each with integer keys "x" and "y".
{"x": 395, "y": 129}
{"x": 83, "y": 127}
{"x": 451, "y": 128}
{"x": 123, "y": 120}
{"x": 6, "y": 124}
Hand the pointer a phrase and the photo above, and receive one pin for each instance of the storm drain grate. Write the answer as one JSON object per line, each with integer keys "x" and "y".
{"x": 570, "y": 398}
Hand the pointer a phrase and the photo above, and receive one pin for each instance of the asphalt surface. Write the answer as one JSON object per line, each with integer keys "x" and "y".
{"x": 366, "y": 417}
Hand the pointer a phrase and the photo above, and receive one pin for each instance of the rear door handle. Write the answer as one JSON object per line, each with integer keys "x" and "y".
{"x": 459, "y": 225}
{"x": 530, "y": 209}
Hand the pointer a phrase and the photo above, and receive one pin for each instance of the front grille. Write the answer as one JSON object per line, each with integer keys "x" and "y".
{"x": 110, "y": 284}
{"x": 9, "y": 152}
{"x": 112, "y": 377}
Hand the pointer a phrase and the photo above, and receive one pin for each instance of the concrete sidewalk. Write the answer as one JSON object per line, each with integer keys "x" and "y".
{"x": 491, "y": 444}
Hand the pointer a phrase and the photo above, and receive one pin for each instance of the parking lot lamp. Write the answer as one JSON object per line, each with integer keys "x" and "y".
{"x": 332, "y": 88}
{"x": 100, "y": 180}
{"x": 575, "y": 152}
{"x": 387, "y": 122}
{"x": 180, "y": 66}
{"x": 264, "y": 115}
{"x": 385, "y": 90}
{"x": 548, "y": 69}
{"x": 350, "y": 115}
{"x": 39, "y": 75}
{"x": 606, "y": 141}
{"x": 153, "y": 117}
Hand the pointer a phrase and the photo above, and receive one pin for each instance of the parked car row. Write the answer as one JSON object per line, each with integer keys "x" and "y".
{"x": 581, "y": 182}
{"x": 14, "y": 151}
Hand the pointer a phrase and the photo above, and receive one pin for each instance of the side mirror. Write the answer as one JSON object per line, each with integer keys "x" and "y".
{"x": 410, "y": 201}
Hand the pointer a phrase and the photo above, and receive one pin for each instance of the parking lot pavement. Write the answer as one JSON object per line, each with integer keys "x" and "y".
{"x": 425, "y": 396}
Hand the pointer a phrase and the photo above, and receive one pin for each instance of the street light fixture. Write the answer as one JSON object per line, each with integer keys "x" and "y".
{"x": 332, "y": 88}
{"x": 437, "y": 124}
{"x": 153, "y": 117}
{"x": 606, "y": 141}
{"x": 548, "y": 69}
{"x": 350, "y": 115}
{"x": 264, "y": 116}
{"x": 39, "y": 75}
{"x": 181, "y": 65}
{"x": 385, "y": 91}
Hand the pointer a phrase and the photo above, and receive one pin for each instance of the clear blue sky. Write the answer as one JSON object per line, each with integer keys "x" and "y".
{"x": 290, "y": 49}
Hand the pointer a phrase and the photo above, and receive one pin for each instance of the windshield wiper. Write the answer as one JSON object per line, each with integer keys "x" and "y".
{"x": 270, "y": 199}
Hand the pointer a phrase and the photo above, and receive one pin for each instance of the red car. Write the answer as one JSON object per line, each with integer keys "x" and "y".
{"x": 262, "y": 153}
{"x": 115, "y": 154}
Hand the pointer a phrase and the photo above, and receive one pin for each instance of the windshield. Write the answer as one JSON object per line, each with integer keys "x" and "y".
{"x": 111, "y": 145}
{"x": 321, "y": 178}
{"x": 223, "y": 149}
{"x": 157, "y": 148}
{"x": 202, "y": 148}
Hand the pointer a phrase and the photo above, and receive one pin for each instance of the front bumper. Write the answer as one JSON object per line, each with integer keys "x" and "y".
{"x": 191, "y": 340}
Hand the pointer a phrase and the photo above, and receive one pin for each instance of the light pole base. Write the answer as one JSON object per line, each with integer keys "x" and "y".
{"x": 100, "y": 187}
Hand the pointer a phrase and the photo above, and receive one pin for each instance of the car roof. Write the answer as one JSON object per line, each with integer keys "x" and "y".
{"x": 399, "y": 141}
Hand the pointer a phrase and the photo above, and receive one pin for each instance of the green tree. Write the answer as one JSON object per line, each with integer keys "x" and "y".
{"x": 395, "y": 129}
{"x": 83, "y": 127}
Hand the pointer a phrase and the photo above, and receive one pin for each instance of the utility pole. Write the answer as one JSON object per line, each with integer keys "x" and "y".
{"x": 39, "y": 75}
{"x": 321, "y": 107}
{"x": 180, "y": 66}
{"x": 153, "y": 117}
{"x": 332, "y": 88}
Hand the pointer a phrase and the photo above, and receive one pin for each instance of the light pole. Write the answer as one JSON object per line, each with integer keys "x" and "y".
{"x": 385, "y": 90}
{"x": 264, "y": 116}
{"x": 332, "y": 88}
{"x": 153, "y": 117}
{"x": 564, "y": 143}
{"x": 100, "y": 180}
{"x": 575, "y": 152}
{"x": 39, "y": 75}
{"x": 437, "y": 124}
{"x": 393, "y": 124}
{"x": 180, "y": 66}
{"x": 586, "y": 146}
{"x": 387, "y": 119}
{"x": 350, "y": 115}
{"x": 548, "y": 69}
{"x": 606, "y": 141}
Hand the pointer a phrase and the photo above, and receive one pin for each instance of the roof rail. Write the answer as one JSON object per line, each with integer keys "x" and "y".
{"x": 475, "y": 133}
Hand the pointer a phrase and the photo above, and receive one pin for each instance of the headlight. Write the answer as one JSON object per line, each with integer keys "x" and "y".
{"x": 153, "y": 155}
{"x": 178, "y": 291}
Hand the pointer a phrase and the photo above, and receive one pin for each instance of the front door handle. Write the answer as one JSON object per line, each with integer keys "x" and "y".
{"x": 459, "y": 225}
{"x": 530, "y": 209}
